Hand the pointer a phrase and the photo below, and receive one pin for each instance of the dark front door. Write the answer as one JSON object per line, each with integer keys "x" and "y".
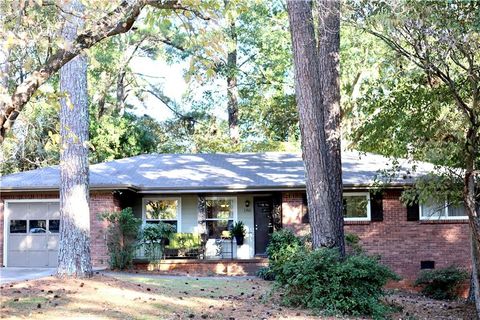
{"x": 263, "y": 223}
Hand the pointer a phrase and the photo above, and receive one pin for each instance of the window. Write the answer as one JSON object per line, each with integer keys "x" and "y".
{"x": 356, "y": 206}
{"x": 38, "y": 226}
{"x": 166, "y": 210}
{"x": 427, "y": 264}
{"x": 220, "y": 214}
{"x": 54, "y": 226}
{"x": 444, "y": 211}
{"x": 18, "y": 226}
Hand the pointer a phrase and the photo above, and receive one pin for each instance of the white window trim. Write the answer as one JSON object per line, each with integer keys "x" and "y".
{"x": 441, "y": 217}
{"x": 359, "y": 194}
{"x": 6, "y": 222}
{"x": 179, "y": 210}
{"x": 234, "y": 200}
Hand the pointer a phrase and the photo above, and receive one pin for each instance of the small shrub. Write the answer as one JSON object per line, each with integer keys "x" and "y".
{"x": 441, "y": 283}
{"x": 122, "y": 236}
{"x": 352, "y": 242}
{"x": 283, "y": 246}
{"x": 266, "y": 273}
{"x": 154, "y": 237}
{"x": 320, "y": 280}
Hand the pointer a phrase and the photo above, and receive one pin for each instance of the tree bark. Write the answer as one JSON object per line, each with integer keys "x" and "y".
{"x": 326, "y": 224}
{"x": 232, "y": 89}
{"x": 74, "y": 249}
{"x": 328, "y": 31}
{"x": 469, "y": 198}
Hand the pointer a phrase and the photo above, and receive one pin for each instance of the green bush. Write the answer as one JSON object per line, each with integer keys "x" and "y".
{"x": 154, "y": 237}
{"x": 352, "y": 242}
{"x": 441, "y": 283}
{"x": 283, "y": 246}
{"x": 122, "y": 236}
{"x": 320, "y": 280}
{"x": 266, "y": 273}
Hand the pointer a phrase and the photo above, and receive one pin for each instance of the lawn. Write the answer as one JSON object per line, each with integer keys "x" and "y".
{"x": 137, "y": 296}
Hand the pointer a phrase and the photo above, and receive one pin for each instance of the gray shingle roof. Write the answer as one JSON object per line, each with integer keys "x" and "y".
{"x": 235, "y": 171}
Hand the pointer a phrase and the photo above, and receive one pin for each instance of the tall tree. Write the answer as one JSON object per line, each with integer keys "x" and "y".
{"x": 441, "y": 43}
{"x": 232, "y": 70}
{"x": 318, "y": 113}
{"x": 117, "y": 21}
{"x": 74, "y": 248}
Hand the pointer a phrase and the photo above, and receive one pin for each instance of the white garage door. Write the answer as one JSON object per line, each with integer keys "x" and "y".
{"x": 33, "y": 232}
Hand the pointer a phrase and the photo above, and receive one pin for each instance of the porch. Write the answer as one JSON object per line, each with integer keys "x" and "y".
{"x": 202, "y": 223}
{"x": 206, "y": 267}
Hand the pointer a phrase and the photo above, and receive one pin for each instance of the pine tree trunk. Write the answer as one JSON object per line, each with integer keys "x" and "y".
{"x": 326, "y": 224}
{"x": 74, "y": 250}
{"x": 328, "y": 31}
{"x": 232, "y": 89}
{"x": 469, "y": 196}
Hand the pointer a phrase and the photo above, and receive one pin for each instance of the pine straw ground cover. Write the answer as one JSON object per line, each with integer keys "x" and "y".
{"x": 137, "y": 296}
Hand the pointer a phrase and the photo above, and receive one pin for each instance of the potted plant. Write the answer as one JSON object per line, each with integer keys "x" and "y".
{"x": 238, "y": 231}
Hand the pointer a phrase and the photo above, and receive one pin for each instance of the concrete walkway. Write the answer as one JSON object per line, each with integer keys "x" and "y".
{"x": 8, "y": 275}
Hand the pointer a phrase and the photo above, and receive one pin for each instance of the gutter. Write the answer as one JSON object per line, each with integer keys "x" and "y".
{"x": 187, "y": 190}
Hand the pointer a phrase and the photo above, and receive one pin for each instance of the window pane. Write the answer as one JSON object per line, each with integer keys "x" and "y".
{"x": 457, "y": 211}
{"x": 219, "y": 209}
{"x": 54, "y": 226}
{"x": 433, "y": 210}
{"x": 38, "y": 226}
{"x": 162, "y": 209}
{"x": 355, "y": 207}
{"x": 215, "y": 228}
{"x": 18, "y": 226}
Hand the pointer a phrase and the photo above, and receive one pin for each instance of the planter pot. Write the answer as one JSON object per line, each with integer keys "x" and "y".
{"x": 239, "y": 239}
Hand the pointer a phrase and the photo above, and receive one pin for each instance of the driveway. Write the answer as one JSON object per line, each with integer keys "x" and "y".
{"x": 21, "y": 274}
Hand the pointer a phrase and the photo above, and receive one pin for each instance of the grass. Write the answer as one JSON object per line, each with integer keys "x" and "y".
{"x": 136, "y": 296}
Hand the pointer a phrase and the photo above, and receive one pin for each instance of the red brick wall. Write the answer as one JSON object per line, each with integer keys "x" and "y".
{"x": 99, "y": 202}
{"x": 401, "y": 244}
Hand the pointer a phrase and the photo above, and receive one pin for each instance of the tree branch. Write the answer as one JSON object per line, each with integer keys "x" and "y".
{"x": 118, "y": 21}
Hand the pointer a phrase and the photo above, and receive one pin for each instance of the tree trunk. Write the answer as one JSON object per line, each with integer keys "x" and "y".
{"x": 469, "y": 196}
{"x": 232, "y": 89}
{"x": 4, "y": 67}
{"x": 74, "y": 250}
{"x": 120, "y": 106}
{"x": 326, "y": 224}
{"x": 328, "y": 15}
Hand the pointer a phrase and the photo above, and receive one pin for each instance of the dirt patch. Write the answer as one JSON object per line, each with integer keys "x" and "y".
{"x": 144, "y": 297}
{"x": 416, "y": 306}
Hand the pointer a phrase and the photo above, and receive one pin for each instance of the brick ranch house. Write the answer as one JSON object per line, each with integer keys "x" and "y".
{"x": 264, "y": 190}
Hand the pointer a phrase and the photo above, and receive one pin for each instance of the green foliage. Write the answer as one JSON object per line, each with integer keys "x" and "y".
{"x": 266, "y": 273}
{"x": 122, "y": 235}
{"x": 352, "y": 242}
{"x": 238, "y": 229}
{"x": 116, "y": 137}
{"x": 441, "y": 283}
{"x": 184, "y": 241}
{"x": 282, "y": 247}
{"x": 154, "y": 237}
{"x": 320, "y": 280}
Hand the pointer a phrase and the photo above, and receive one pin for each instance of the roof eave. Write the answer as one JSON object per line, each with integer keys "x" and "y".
{"x": 55, "y": 189}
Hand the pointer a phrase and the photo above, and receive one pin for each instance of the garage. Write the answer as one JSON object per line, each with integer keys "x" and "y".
{"x": 32, "y": 229}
